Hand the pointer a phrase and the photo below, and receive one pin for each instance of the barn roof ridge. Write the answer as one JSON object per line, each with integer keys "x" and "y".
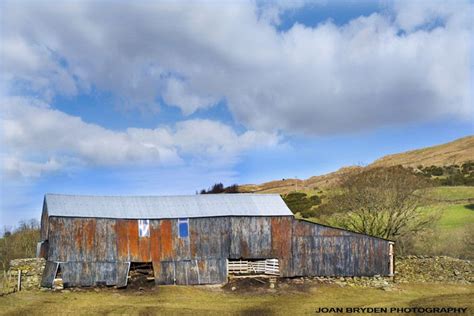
{"x": 170, "y": 206}
{"x": 343, "y": 229}
{"x": 166, "y": 195}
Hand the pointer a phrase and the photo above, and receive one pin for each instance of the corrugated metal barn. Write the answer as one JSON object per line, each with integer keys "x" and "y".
{"x": 198, "y": 239}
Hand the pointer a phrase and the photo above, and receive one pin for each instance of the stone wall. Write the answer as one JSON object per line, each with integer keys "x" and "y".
{"x": 433, "y": 269}
{"x": 408, "y": 269}
{"x": 31, "y": 273}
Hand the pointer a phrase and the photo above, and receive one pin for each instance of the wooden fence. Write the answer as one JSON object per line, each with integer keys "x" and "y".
{"x": 267, "y": 266}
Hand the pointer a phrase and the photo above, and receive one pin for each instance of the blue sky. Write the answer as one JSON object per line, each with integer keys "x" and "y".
{"x": 169, "y": 98}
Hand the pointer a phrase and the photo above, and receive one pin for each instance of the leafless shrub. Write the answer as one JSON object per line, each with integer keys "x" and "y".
{"x": 381, "y": 202}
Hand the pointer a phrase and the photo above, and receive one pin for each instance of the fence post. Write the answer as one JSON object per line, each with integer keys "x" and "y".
{"x": 19, "y": 280}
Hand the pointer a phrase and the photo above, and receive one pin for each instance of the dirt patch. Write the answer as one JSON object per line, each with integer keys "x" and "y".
{"x": 265, "y": 285}
{"x": 140, "y": 283}
{"x": 140, "y": 277}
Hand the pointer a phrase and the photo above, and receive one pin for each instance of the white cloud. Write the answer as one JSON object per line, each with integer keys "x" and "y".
{"x": 37, "y": 139}
{"x": 377, "y": 70}
{"x": 177, "y": 93}
{"x": 16, "y": 167}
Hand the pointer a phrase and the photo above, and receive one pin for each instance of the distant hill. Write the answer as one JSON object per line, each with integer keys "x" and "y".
{"x": 455, "y": 152}
{"x": 452, "y": 153}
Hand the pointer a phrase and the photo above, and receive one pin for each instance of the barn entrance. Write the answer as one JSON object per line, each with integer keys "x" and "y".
{"x": 140, "y": 275}
{"x": 253, "y": 267}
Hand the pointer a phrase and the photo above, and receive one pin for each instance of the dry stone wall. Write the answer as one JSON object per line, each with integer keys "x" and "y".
{"x": 409, "y": 269}
{"x": 434, "y": 270}
{"x": 31, "y": 271}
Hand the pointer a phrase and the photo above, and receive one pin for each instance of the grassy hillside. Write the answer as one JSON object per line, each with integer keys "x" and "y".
{"x": 455, "y": 205}
{"x": 453, "y": 232}
{"x": 453, "y": 153}
{"x": 449, "y": 194}
{"x": 456, "y": 216}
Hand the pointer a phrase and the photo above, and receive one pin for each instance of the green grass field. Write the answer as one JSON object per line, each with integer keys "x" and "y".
{"x": 455, "y": 209}
{"x": 166, "y": 300}
{"x": 450, "y": 193}
{"x": 454, "y": 206}
{"x": 455, "y": 216}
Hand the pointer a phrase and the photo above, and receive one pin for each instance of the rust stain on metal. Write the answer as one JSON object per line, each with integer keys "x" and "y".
{"x": 144, "y": 249}
{"x": 133, "y": 239}
{"x": 302, "y": 228}
{"x": 88, "y": 228}
{"x": 281, "y": 237}
{"x": 155, "y": 241}
{"x": 330, "y": 232}
{"x": 244, "y": 249}
{"x": 201, "y": 265}
{"x": 78, "y": 238}
{"x": 121, "y": 229}
{"x": 166, "y": 240}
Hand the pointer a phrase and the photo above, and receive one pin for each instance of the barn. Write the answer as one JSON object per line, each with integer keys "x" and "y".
{"x": 197, "y": 239}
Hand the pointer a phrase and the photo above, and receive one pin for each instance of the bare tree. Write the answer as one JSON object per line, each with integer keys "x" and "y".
{"x": 382, "y": 202}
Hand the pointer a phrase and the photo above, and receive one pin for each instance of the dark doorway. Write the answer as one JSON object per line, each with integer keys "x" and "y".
{"x": 141, "y": 275}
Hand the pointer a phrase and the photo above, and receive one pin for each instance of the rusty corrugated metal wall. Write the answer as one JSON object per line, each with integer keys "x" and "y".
{"x": 326, "y": 251}
{"x": 92, "y": 251}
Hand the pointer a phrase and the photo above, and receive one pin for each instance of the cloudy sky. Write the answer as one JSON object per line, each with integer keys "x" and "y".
{"x": 147, "y": 97}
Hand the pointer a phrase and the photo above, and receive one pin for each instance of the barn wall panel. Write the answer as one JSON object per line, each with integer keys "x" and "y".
{"x": 44, "y": 230}
{"x": 281, "y": 243}
{"x": 167, "y": 252}
{"x": 89, "y": 273}
{"x": 122, "y": 273}
{"x": 111, "y": 240}
{"x": 212, "y": 271}
{"x": 181, "y": 246}
{"x": 166, "y": 273}
{"x": 121, "y": 229}
{"x": 144, "y": 249}
{"x": 71, "y": 273}
{"x": 105, "y": 273}
{"x": 155, "y": 241}
{"x": 186, "y": 272}
{"x": 100, "y": 240}
{"x": 49, "y": 273}
{"x": 132, "y": 228}
{"x": 78, "y": 240}
{"x": 69, "y": 249}
{"x": 251, "y": 237}
{"x": 88, "y": 229}
{"x": 53, "y": 240}
{"x": 325, "y": 251}
{"x": 209, "y": 238}
{"x": 191, "y": 272}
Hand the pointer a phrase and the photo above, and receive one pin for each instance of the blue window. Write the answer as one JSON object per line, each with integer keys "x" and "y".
{"x": 183, "y": 226}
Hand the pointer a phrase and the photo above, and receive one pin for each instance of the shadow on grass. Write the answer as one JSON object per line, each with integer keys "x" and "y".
{"x": 254, "y": 311}
{"x": 451, "y": 300}
{"x": 469, "y": 207}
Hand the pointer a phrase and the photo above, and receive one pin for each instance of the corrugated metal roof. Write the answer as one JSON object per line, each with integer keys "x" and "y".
{"x": 155, "y": 207}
